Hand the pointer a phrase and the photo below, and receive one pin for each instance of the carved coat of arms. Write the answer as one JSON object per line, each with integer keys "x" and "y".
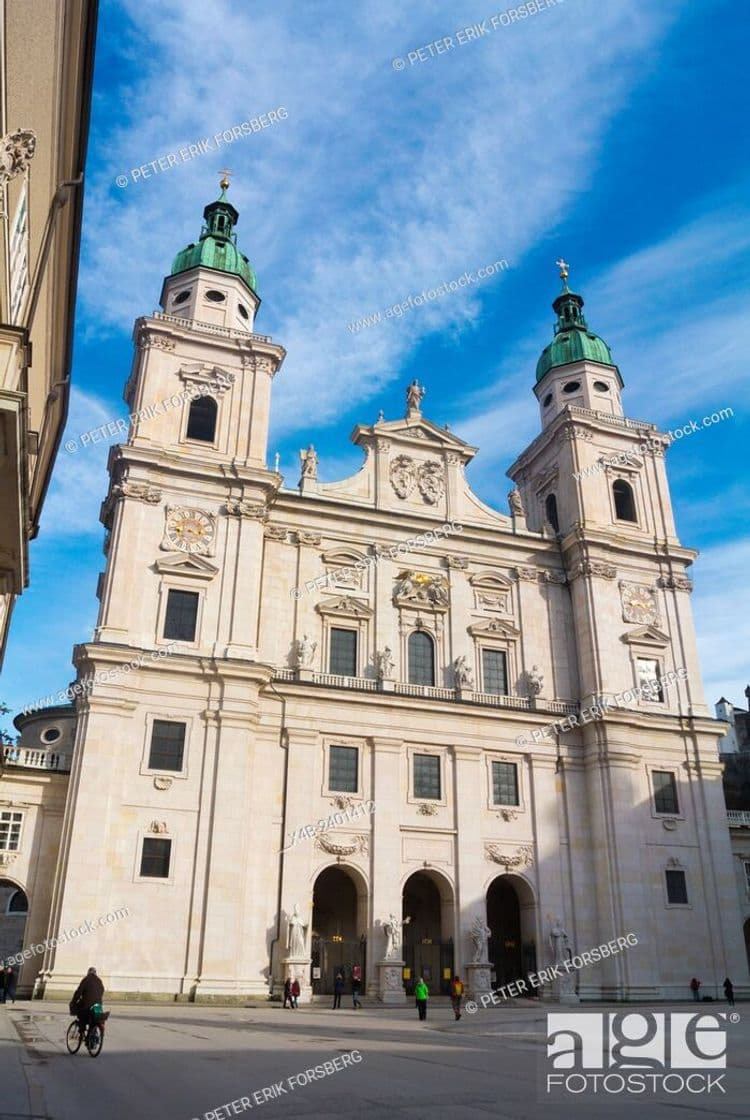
{"x": 403, "y": 475}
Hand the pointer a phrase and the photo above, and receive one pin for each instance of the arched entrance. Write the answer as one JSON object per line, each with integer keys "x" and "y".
{"x": 510, "y": 917}
{"x": 339, "y": 920}
{"x": 14, "y": 907}
{"x": 427, "y": 938}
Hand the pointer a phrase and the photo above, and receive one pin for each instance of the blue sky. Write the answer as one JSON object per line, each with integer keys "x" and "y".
{"x": 611, "y": 134}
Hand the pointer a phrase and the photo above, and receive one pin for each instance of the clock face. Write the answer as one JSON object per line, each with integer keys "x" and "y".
{"x": 639, "y": 604}
{"x": 190, "y": 530}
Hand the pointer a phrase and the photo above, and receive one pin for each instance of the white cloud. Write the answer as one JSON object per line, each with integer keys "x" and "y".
{"x": 722, "y": 620}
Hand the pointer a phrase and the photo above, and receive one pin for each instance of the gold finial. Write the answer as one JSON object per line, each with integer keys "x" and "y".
{"x": 224, "y": 181}
{"x": 564, "y": 267}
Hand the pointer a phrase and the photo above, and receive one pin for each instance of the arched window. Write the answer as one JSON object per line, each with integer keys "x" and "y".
{"x": 550, "y": 510}
{"x": 421, "y": 658}
{"x": 202, "y": 420}
{"x": 624, "y": 501}
{"x": 18, "y": 903}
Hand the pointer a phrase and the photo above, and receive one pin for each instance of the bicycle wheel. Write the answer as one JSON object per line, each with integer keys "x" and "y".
{"x": 95, "y": 1040}
{"x": 73, "y": 1038}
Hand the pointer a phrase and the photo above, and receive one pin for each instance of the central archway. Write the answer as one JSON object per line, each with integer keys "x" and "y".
{"x": 510, "y": 917}
{"x": 339, "y": 919}
{"x": 427, "y": 938}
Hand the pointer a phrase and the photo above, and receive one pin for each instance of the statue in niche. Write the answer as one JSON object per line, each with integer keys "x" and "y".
{"x": 296, "y": 934}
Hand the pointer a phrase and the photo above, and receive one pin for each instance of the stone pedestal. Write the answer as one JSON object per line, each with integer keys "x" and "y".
{"x": 479, "y": 978}
{"x": 303, "y": 674}
{"x": 386, "y": 685}
{"x": 564, "y": 989}
{"x": 298, "y": 968}
{"x": 391, "y": 981}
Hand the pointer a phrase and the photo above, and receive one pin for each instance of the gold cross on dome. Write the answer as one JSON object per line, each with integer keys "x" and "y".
{"x": 225, "y": 177}
{"x": 564, "y": 267}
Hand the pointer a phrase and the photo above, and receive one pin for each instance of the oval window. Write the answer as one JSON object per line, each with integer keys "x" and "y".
{"x": 571, "y": 386}
{"x": 243, "y": 311}
{"x": 181, "y": 297}
{"x": 601, "y": 386}
{"x": 214, "y": 296}
{"x": 547, "y": 400}
{"x": 51, "y": 735}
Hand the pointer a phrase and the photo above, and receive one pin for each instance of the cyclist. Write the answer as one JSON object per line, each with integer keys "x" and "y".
{"x": 88, "y": 992}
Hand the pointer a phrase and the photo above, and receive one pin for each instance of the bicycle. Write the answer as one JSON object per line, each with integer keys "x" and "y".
{"x": 92, "y": 1035}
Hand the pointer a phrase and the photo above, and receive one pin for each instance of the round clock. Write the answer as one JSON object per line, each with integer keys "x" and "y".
{"x": 640, "y": 605}
{"x": 190, "y": 530}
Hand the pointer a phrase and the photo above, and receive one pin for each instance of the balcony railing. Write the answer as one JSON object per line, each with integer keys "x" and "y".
{"x": 212, "y": 328}
{"x": 427, "y": 692}
{"x": 738, "y": 818}
{"x": 30, "y": 758}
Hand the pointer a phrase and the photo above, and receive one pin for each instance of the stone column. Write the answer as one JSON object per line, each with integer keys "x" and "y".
{"x": 472, "y": 867}
{"x": 241, "y": 606}
{"x": 388, "y": 760}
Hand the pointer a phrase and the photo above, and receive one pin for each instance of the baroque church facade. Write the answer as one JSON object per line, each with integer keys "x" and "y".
{"x": 392, "y": 726}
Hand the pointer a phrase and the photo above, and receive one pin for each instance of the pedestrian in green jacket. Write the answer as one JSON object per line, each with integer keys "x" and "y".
{"x": 421, "y": 993}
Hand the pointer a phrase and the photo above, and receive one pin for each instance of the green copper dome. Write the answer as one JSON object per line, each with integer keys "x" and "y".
{"x": 217, "y": 246}
{"x": 573, "y": 341}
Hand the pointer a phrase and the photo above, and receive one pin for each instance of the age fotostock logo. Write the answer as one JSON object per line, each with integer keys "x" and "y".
{"x": 654, "y": 1043}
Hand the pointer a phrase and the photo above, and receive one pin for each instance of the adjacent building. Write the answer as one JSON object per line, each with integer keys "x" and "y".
{"x": 46, "y": 68}
{"x": 377, "y": 721}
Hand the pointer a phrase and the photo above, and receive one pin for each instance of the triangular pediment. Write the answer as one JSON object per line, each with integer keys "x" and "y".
{"x": 646, "y": 636}
{"x": 345, "y": 605}
{"x": 181, "y": 564}
{"x": 416, "y": 432}
{"x": 494, "y": 626}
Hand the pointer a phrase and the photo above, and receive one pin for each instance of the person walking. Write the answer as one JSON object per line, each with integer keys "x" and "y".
{"x": 695, "y": 988}
{"x": 356, "y": 986}
{"x": 295, "y": 993}
{"x": 11, "y": 980}
{"x": 338, "y": 988}
{"x": 457, "y": 994}
{"x": 421, "y": 995}
{"x": 729, "y": 991}
{"x": 287, "y": 993}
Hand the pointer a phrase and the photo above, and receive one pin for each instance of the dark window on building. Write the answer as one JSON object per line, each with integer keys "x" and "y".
{"x": 494, "y": 672}
{"x": 155, "y": 858}
{"x": 571, "y": 386}
{"x": 550, "y": 511}
{"x": 624, "y": 501}
{"x": 343, "y": 659}
{"x": 202, "y": 420}
{"x": 649, "y": 680}
{"x": 19, "y": 904}
{"x": 504, "y": 783}
{"x": 665, "y": 792}
{"x": 215, "y": 297}
{"x": 167, "y": 745}
{"x": 676, "y": 887}
{"x": 182, "y": 615}
{"x": 243, "y": 311}
{"x": 342, "y": 769}
{"x": 547, "y": 400}
{"x": 427, "y": 776}
{"x": 421, "y": 658}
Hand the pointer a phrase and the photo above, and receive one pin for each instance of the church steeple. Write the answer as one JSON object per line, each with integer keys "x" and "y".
{"x": 217, "y": 245}
{"x": 573, "y": 341}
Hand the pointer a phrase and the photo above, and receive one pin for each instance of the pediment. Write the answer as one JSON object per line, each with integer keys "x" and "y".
{"x": 496, "y": 627}
{"x": 182, "y": 564}
{"x": 646, "y": 636}
{"x": 417, "y": 432}
{"x": 345, "y": 605}
{"x": 490, "y": 580}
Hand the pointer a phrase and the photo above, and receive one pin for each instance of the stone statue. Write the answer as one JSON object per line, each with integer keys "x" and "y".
{"x": 296, "y": 935}
{"x": 309, "y": 460}
{"x": 305, "y": 652}
{"x": 480, "y": 934}
{"x": 393, "y": 930}
{"x": 16, "y": 152}
{"x": 516, "y": 504}
{"x": 385, "y": 664}
{"x": 535, "y": 680}
{"x": 414, "y": 396}
{"x": 463, "y": 674}
{"x": 558, "y": 940}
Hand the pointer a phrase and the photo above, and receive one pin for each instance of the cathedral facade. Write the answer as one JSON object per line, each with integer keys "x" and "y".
{"x": 376, "y": 722}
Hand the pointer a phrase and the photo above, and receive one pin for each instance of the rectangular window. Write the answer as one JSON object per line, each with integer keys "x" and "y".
{"x": 676, "y": 888}
{"x": 167, "y": 745}
{"x": 343, "y": 659}
{"x": 504, "y": 783}
{"x": 427, "y": 776}
{"x": 10, "y": 830}
{"x": 665, "y": 792}
{"x": 747, "y": 875}
{"x": 343, "y": 765}
{"x": 649, "y": 680}
{"x": 495, "y": 672}
{"x": 155, "y": 858}
{"x": 182, "y": 615}
{"x": 19, "y": 257}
